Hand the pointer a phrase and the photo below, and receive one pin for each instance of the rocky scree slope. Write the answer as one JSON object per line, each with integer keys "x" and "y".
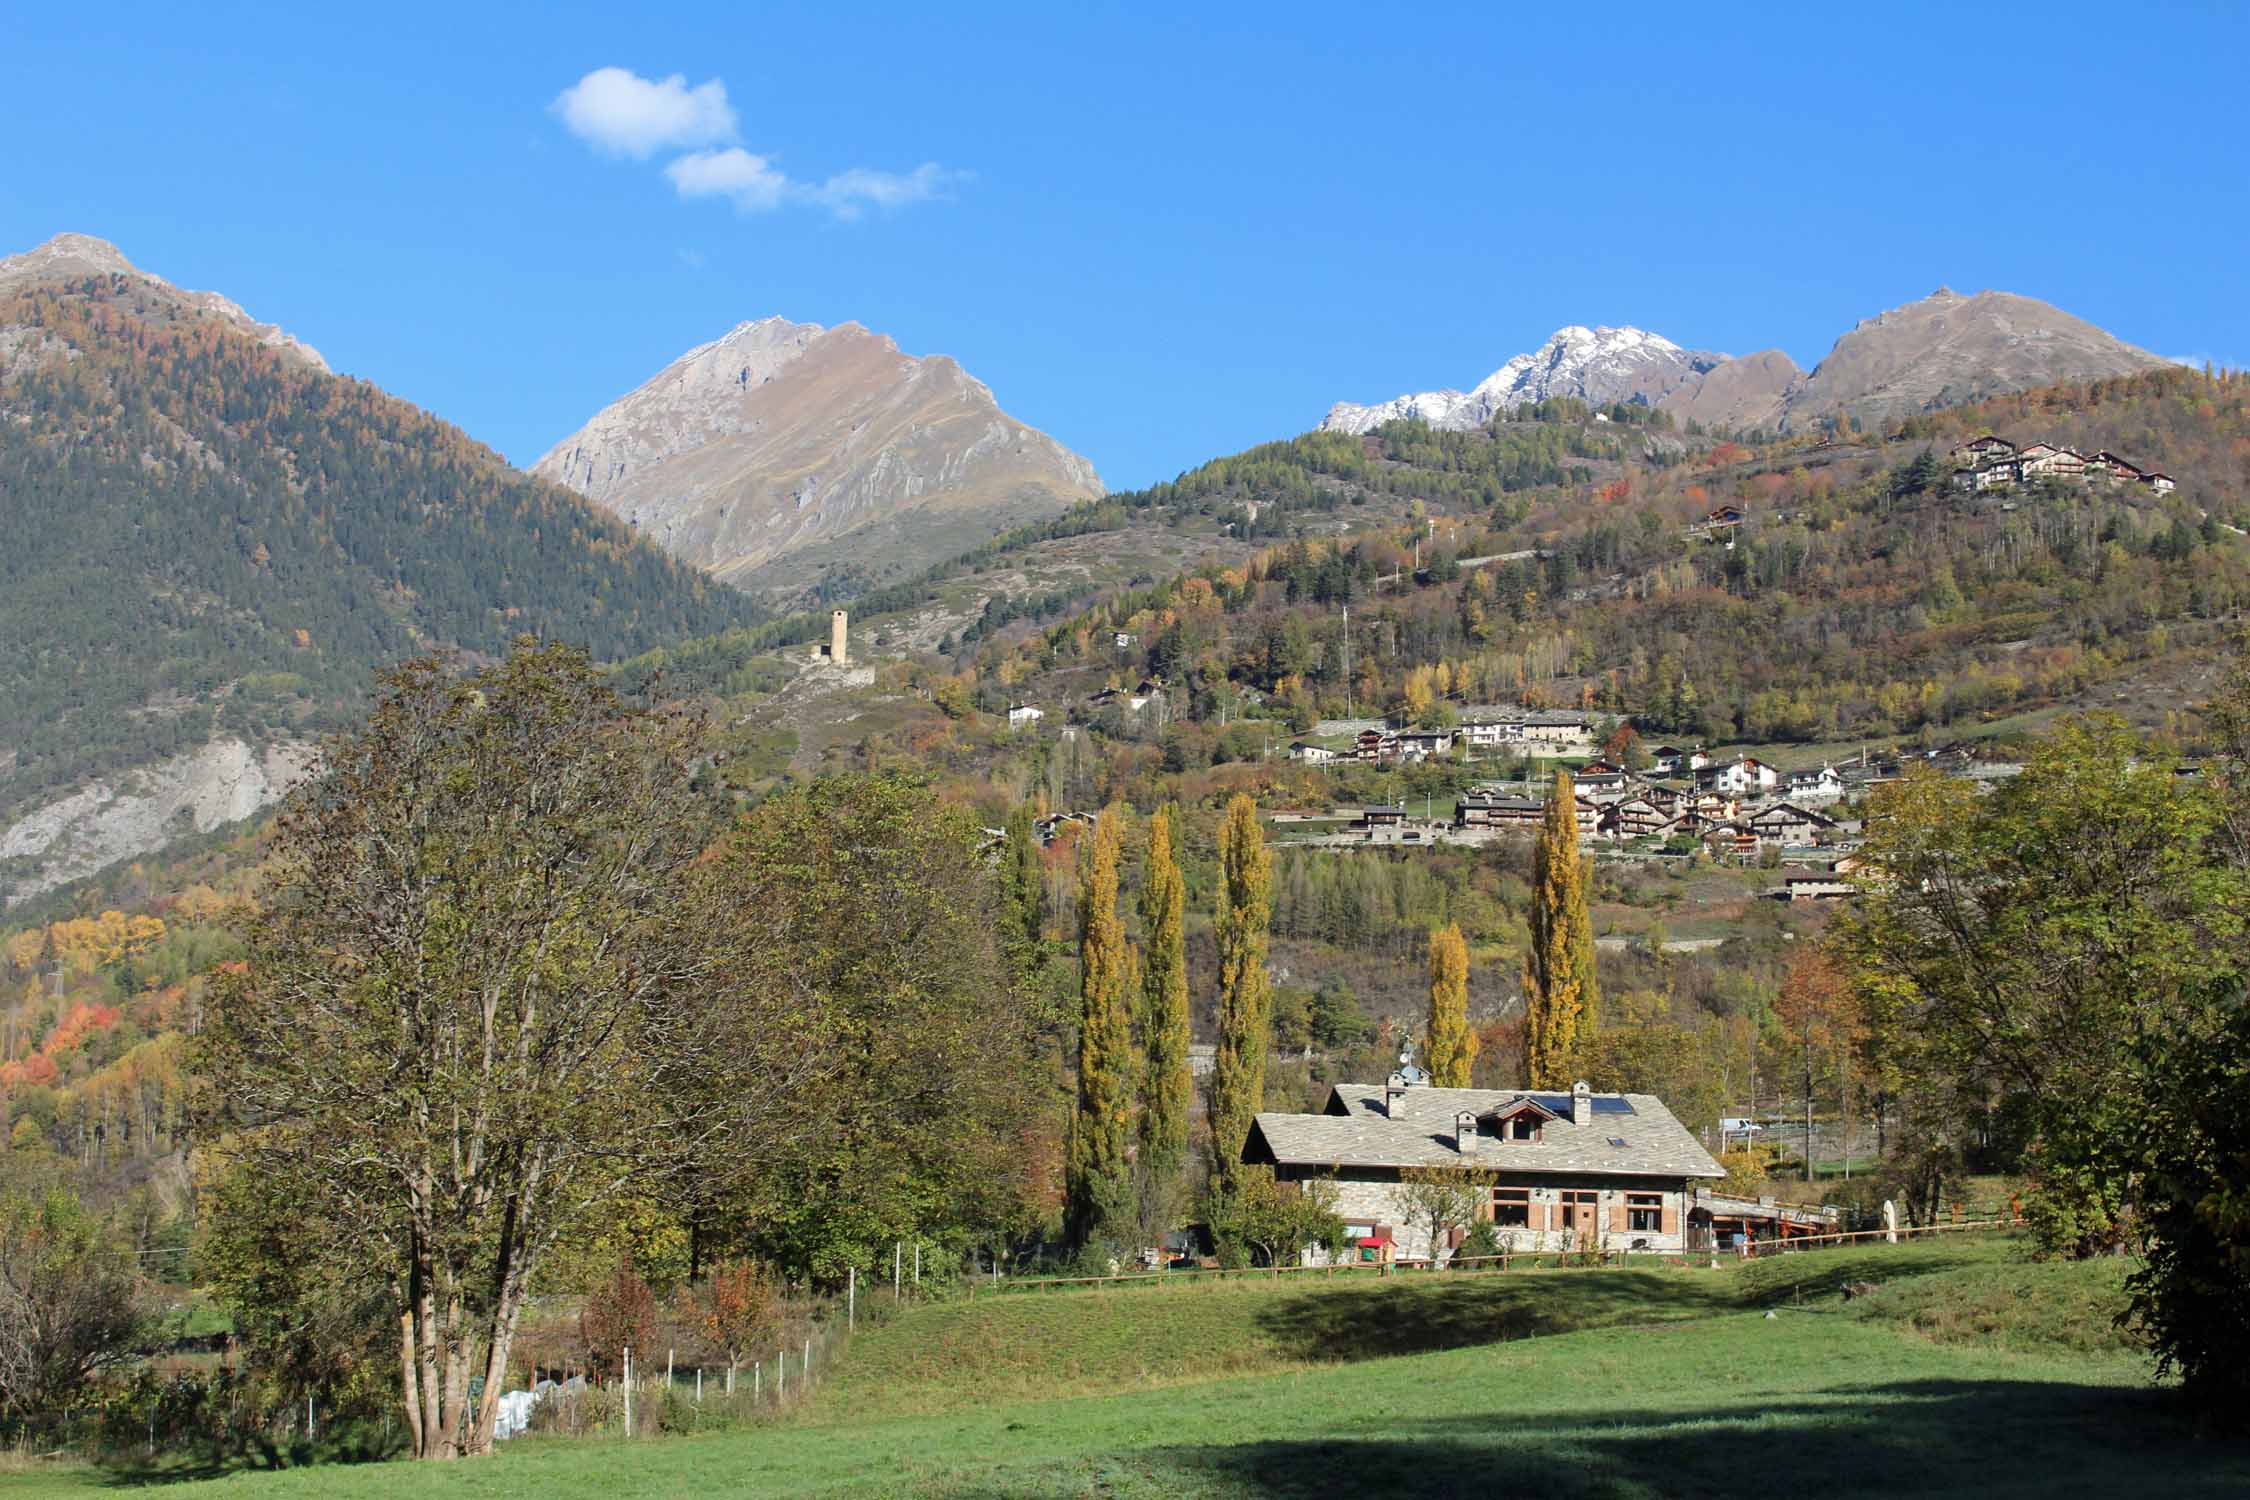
{"x": 754, "y": 456}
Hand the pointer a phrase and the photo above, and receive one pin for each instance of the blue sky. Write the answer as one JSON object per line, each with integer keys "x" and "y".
{"x": 1160, "y": 236}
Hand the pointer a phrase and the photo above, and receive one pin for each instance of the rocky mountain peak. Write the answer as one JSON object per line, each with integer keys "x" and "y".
{"x": 1947, "y": 349}
{"x": 67, "y": 255}
{"x": 779, "y": 439}
{"x": 72, "y": 257}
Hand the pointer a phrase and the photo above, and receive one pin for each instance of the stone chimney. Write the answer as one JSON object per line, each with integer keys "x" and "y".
{"x": 1394, "y": 1096}
{"x": 1581, "y": 1103}
{"x": 839, "y": 637}
{"x": 1465, "y": 1132}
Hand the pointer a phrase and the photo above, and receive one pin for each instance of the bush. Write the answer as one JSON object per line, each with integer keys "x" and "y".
{"x": 1481, "y": 1240}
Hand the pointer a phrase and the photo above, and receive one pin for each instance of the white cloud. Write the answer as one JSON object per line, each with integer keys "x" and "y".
{"x": 745, "y": 178}
{"x": 753, "y": 184}
{"x": 848, "y": 194}
{"x": 620, "y": 112}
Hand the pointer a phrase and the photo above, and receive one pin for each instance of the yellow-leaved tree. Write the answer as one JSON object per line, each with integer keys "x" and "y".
{"x": 1560, "y": 992}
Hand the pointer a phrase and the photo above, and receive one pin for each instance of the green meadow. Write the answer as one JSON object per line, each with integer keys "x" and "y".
{"x": 1970, "y": 1371}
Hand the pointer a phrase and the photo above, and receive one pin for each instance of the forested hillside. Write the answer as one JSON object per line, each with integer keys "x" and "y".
{"x": 205, "y": 534}
{"x": 1860, "y": 595}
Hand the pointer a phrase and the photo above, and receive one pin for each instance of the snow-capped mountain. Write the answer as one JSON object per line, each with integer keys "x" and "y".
{"x": 1599, "y": 365}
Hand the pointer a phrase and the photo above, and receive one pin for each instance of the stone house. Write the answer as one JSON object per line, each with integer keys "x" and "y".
{"x": 1423, "y": 744}
{"x": 2048, "y": 460}
{"x": 1979, "y": 451}
{"x": 1487, "y": 809}
{"x": 1601, "y": 776}
{"x": 1633, "y": 818}
{"x": 1558, "y": 733}
{"x": 1785, "y": 823}
{"x": 1024, "y": 713}
{"x": 1570, "y": 1171}
{"x": 1819, "y": 885}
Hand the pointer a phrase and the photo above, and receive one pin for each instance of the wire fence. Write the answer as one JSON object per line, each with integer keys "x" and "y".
{"x": 649, "y": 1398}
{"x": 1549, "y": 1260}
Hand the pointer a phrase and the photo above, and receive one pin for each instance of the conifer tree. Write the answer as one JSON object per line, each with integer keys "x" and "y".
{"x": 1238, "y": 1074}
{"x": 1097, "y": 1172}
{"x": 1450, "y": 1044}
{"x": 1023, "y": 892}
{"x": 1560, "y": 992}
{"x": 1165, "y": 1079}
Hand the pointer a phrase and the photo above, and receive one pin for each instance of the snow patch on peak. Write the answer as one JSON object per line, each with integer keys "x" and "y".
{"x": 1599, "y": 365}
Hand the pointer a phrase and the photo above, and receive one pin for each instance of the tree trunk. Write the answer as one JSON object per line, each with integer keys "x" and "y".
{"x": 409, "y": 1382}
{"x": 427, "y": 1384}
{"x": 505, "y": 1316}
{"x": 456, "y": 1378}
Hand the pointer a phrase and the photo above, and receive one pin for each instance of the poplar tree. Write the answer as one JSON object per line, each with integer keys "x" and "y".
{"x": 1097, "y": 1172}
{"x": 1561, "y": 996}
{"x": 1238, "y": 1073}
{"x": 1165, "y": 1079}
{"x": 1450, "y": 1045}
{"x": 1023, "y": 892}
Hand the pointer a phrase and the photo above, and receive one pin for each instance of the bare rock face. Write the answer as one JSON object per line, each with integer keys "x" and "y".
{"x": 1947, "y": 349}
{"x": 73, "y": 257}
{"x": 788, "y": 440}
{"x": 140, "y": 812}
{"x": 1739, "y": 395}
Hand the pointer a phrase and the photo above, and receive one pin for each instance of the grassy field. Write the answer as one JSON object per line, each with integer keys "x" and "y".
{"x": 1967, "y": 1373}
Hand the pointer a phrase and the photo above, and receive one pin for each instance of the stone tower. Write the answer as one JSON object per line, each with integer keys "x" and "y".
{"x": 839, "y": 638}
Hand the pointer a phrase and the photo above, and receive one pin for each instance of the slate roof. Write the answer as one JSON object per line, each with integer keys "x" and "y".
{"x": 1354, "y": 1132}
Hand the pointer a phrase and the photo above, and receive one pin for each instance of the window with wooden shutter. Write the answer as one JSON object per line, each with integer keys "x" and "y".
{"x": 1644, "y": 1213}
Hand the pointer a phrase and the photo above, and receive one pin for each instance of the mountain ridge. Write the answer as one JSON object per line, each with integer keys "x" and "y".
{"x": 1942, "y": 350}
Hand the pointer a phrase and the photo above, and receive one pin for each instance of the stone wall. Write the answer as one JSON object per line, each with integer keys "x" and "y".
{"x": 1366, "y": 1201}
